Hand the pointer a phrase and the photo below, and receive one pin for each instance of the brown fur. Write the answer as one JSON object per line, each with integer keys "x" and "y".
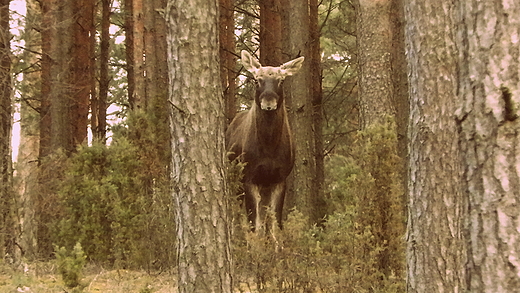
{"x": 261, "y": 138}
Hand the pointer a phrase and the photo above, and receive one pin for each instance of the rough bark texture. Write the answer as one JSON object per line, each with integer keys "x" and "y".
{"x": 317, "y": 108}
{"x": 197, "y": 124}
{"x": 6, "y": 194}
{"x": 139, "y": 98}
{"x": 228, "y": 72}
{"x": 270, "y": 33}
{"x": 489, "y": 88}
{"x": 436, "y": 249}
{"x": 376, "y": 99}
{"x": 26, "y": 183}
{"x": 374, "y": 42}
{"x": 82, "y": 74}
{"x": 301, "y": 184}
{"x": 99, "y": 102}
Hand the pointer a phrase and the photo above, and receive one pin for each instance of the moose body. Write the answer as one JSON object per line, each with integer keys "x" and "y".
{"x": 261, "y": 138}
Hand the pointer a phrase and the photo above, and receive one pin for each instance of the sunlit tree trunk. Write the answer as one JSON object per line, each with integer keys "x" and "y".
{"x": 197, "y": 126}
{"x": 487, "y": 116}
{"x": 436, "y": 240}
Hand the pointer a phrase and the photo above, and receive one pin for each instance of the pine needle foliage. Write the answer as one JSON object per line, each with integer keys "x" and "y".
{"x": 115, "y": 201}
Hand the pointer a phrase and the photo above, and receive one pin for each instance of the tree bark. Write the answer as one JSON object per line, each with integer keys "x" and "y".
{"x": 26, "y": 182}
{"x": 99, "y": 105}
{"x": 197, "y": 125}
{"x": 270, "y": 33}
{"x": 139, "y": 98}
{"x": 82, "y": 72}
{"x": 227, "y": 57}
{"x": 7, "y": 223}
{"x": 489, "y": 89}
{"x": 302, "y": 184}
{"x": 317, "y": 109}
{"x": 374, "y": 42}
{"x": 436, "y": 249}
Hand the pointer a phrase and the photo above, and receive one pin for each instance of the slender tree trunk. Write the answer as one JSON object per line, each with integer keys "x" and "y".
{"x": 129, "y": 50}
{"x": 197, "y": 128}
{"x": 227, "y": 56}
{"x": 489, "y": 90}
{"x": 26, "y": 182}
{"x": 317, "y": 108}
{"x": 139, "y": 97}
{"x": 99, "y": 105}
{"x": 7, "y": 223}
{"x": 437, "y": 247}
{"x": 83, "y": 28}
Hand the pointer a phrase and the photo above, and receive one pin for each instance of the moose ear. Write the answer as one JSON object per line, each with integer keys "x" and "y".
{"x": 249, "y": 62}
{"x": 291, "y": 67}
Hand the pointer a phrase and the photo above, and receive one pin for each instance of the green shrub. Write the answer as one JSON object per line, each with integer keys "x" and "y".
{"x": 115, "y": 200}
{"x": 71, "y": 264}
{"x": 358, "y": 248}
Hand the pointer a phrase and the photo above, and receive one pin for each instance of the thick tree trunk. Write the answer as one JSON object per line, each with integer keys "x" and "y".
{"x": 374, "y": 42}
{"x": 376, "y": 99}
{"x": 489, "y": 89}
{"x": 270, "y": 33}
{"x": 437, "y": 247}
{"x": 302, "y": 189}
{"x": 197, "y": 125}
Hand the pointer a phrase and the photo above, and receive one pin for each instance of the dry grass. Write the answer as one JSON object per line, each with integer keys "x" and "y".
{"x": 43, "y": 277}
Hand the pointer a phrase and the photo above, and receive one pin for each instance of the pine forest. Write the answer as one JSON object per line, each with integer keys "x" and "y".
{"x": 259, "y": 146}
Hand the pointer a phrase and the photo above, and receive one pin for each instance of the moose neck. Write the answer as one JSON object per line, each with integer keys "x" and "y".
{"x": 270, "y": 124}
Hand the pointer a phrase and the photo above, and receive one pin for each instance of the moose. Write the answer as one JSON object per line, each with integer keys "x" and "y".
{"x": 261, "y": 138}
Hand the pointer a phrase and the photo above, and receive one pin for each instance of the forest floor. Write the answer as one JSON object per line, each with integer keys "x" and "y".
{"x": 43, "y": 277}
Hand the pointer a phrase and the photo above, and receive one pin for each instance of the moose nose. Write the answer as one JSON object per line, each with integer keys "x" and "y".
{"x": 269, "y": 101}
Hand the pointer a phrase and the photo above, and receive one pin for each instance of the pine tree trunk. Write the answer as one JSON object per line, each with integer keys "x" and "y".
{"x": 376, "y": 98}
{"x": 7, "y": 233}
{"x": 302, "y": 189}
{"x": 374, "y": 42}
{"x": 139, "y": 98}
{"x": 197, "y": 125}
{"x": 436, "y": 249}
{"x": 489, "y": 89}
{"x": 227, "y": 57}
{"x": 314, "y": 59}
{"x": 82, "y": 29}
{"x": 270, "y": 33}
{"x": 99, "y": 105}
{"x": 26, "y": 182}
